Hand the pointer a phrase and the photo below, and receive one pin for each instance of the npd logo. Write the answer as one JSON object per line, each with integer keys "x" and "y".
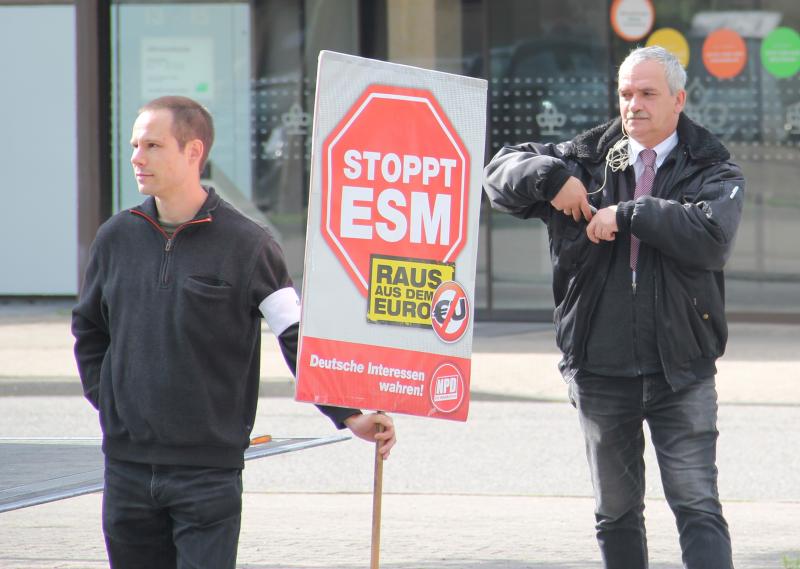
{"x": 447, "y": 388}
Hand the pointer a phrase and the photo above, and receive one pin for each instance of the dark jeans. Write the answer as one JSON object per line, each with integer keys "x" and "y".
{"x": 683, "y": 428}
{"x": 171, "y": 517}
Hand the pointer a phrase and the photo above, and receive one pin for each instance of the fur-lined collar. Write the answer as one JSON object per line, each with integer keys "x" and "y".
{"x": 593, "y": 144}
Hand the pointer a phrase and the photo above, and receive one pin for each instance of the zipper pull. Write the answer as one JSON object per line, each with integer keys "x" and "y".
{"x": 633, "y": 282}
{"x": 168, "y": 246}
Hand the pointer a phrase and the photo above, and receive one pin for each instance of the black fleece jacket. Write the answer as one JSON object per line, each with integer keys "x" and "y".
{"x": 168, "y": 334}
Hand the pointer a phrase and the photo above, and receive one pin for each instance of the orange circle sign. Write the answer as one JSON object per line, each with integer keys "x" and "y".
{"x": 724, "y": 53}
{"x": 394, "y": 182}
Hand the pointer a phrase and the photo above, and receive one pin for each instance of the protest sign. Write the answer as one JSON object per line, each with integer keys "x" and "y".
{"x": 391, "y": 245}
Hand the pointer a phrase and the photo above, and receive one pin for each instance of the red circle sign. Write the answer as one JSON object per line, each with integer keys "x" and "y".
{"x": 394, "y": 182}
{"x": 450, "y": 314}
{"x": 447, "y": 388}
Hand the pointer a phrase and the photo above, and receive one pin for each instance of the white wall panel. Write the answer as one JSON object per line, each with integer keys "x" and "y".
{"x": 38, "y": 157}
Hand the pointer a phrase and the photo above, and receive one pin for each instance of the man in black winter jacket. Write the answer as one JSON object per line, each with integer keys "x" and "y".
{"x": 167, "y": 339}
{"x": 641, "y": 214}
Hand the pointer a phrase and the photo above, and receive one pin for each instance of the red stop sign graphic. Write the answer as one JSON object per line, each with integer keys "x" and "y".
{"x": 394, "y": 182}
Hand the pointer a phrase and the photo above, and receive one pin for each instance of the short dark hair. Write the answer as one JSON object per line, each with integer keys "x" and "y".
{"x": 190, "y": 121}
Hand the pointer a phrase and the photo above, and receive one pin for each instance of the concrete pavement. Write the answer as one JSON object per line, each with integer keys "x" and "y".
{"x": 507, "y": 489}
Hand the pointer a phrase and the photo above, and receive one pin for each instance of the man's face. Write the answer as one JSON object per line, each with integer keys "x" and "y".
{"x": 648, "y": 110}
{"x": 160, "y": 166}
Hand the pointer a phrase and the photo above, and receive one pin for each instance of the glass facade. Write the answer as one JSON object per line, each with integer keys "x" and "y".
{"x": 548, "y": 80}
{"x": 551, "y": 68}
{"x": 199, "y": 50}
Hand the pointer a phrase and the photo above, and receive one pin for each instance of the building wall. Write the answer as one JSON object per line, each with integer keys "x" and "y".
{"x": 551, "y": 68}
{"x": 38, "y": 234}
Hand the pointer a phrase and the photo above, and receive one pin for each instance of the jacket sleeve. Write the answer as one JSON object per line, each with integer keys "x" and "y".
{"x": 280, "y": 307}
{"x": 288, "y": 341}
{"x": 521, "y": 180}
{"x": 90, "y": 328}
{"x": 699, "y": 232}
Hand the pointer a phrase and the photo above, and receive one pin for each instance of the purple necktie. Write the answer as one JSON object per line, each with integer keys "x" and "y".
{"x": 643, "y": 188}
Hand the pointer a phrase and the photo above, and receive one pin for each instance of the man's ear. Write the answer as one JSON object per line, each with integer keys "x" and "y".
{"x": 680, "y": 101}
{"x": 195, "y": 149}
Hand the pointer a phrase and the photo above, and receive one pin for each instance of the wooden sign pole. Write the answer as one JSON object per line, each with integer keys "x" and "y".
{"x": 377, "y": 493}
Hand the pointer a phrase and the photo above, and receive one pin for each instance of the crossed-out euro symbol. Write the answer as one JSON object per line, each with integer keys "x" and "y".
{"x": 442, "y": 307}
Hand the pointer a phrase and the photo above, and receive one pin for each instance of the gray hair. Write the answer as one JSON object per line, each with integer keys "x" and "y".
{"x": 673, "y": 70}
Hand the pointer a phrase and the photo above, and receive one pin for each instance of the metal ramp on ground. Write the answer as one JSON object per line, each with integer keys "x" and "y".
{"x": 40, "y": 470}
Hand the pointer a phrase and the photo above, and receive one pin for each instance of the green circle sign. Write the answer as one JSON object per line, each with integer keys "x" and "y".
{"x": 780, "y": 52}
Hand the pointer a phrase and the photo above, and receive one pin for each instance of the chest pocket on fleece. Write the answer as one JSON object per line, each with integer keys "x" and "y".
{"x": 208, "y": 304}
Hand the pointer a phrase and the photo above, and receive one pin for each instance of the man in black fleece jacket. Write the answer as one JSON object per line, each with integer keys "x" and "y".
{"x": 167, "y": 339}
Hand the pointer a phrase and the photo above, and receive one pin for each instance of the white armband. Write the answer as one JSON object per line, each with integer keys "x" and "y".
{"x": 281, "y": 309}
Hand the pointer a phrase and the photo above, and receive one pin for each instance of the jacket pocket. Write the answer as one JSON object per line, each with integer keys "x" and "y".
{"x": 209, "y": 307}
{"x": 210, "y": 288}
{"x": 695, "y": 315}
{"x": 708, "y": 324}
{"x": 570, "y": 244}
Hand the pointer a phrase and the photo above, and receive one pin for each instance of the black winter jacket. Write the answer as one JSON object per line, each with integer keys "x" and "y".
{"x": 168, "y": 334}
{"x": 689, "y": 222}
